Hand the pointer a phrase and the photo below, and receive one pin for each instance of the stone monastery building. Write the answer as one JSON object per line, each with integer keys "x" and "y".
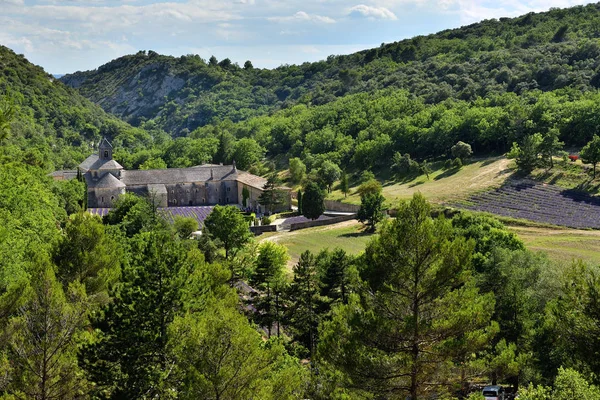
{"x": 203, "y": 185}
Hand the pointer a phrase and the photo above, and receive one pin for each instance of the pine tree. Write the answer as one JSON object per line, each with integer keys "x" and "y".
{"x": 418, "y": 312}
{"x": 268, "y": 277}
{"x": 299, "y": 202}
{"x": 313, "y": 201}
{"x": 131, "y": 359}
{"x": 271, "y": 195}
{"x": 42, "y": 340}
{"x": 344, "y": 184}
{"x": 304, "y": 299}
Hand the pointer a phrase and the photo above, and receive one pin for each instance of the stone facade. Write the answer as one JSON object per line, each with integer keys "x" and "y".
{"x": 202, "y": 185}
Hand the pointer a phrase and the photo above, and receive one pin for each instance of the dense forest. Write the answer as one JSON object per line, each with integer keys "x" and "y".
{"x": 488, "y": 84}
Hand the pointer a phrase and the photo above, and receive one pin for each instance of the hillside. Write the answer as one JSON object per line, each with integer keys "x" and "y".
{"x": 52, "y": 125}
{"x": 546, "y": 51}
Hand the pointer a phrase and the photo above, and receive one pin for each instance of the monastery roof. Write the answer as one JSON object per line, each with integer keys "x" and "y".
{"x": 251, "y": 180}
{"x": 88, "y": 162}
{"x": 105, "y": 164}
{"x": 108, "y": 181}
{"x": 104, "y": 143}
{"x": 179, "y": 175}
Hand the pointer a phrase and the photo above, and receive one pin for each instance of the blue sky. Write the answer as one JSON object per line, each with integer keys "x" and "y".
{"x": 69, "y": 35}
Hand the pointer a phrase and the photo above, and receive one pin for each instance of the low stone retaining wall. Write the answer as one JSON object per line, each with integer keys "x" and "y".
{"x": 258, "y": 230}
{"x": 331, "y": 205}
{"x": 329, "y": 221}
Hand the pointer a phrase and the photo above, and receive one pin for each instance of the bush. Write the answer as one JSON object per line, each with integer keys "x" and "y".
{"x": 266, "y": 220}
{"x": 457, "y": 163}
{"x": 448, "y": 164}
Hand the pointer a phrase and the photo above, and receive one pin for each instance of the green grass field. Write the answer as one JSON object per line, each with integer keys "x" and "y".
{"x": 443, "y": 185}
{"x": 562, "y": 245}
{"x": 348, "y": 236}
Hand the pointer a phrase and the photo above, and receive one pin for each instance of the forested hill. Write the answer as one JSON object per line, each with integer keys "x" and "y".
{"x": 546, "y": 51}
{"x": 48, "y": 124}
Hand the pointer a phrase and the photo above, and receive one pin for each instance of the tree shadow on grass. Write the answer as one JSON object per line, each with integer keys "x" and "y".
{"x": 446, "y": 174}
{"x": 364, "y": 231}
{"x": 412, "y": 185}
{"x": 487, "y": 162}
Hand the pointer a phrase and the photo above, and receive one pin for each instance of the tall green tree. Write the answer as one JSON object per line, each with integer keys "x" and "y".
{"x": 42, "y": 340}
{"x": 299, "y": 201}
{"x": 227, "y": 226}
{"x": 304, "y": 299}
{"x": 371, "y": 209}
{"x": 420, "y": 309}
{"x": 246, "y": 152}
{"x": 268, "y": 277}
{"x": 590, "y": 153}
{"x": 297, "y": 170}
{"x": 344, "y": 184}
{"x": 550, "y": 146}
{"x": 313, "y": 204}
{"x": 130, "y": 359}
{"x": 272, "y": 196}
{"x": 89, "y": 255}
{"x": 527, "y": 153}
{"x": 329, "y": 172}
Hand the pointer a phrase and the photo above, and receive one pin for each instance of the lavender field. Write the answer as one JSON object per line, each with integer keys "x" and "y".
{"x": 169, "y": 213}
{"x": 540, "y": 203}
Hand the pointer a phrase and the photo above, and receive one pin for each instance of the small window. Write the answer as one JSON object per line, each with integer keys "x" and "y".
{"x": 112, "y": 198}
{"x": 228, "y": 200}
{"x": 172, "y": 191}
{"x": 187, "y": 190}
{"x": 229, "y": 189}
{"x": 101, "y": 199}
{"x": 196, "y": 190}
{"x": 203, "y": 200}
{"x": 174, "y": 201}
{"x": 105, "y": 153}
{"x": 95, "y": 174}
{"x": 190, "y": 203}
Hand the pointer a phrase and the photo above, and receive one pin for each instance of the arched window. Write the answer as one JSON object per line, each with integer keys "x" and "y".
{"x": 105, "y": 153}
{"x": 203, "y": 200}
{"x": 112, "y": 198}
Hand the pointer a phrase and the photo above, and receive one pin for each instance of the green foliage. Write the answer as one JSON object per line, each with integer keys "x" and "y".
{"x": 132, "y": 214}
{"x": 457, "y": 163}
{"x": 226, "y": 225}
{"x": 272, "y": 196}
{"x": 418, "y": 273}
{"x": 329, "y": 173}
{"x": 590, "y": 153}
{"x": 153, "y": 163}
{"x": 300, "y": 202}
{"x": 246, "y": 152}
{"x": 87, "y": 254}
{"x": 130, "y": 359}
{"x": 461, "y": 150}
{"x": 245, "y": 196}
{"x": 344, "y": 188}
{"x": 268, "y": 277}
{"x": 304, "y": 294}
{"x": 297, "y": 170}
{"x": 527, "y": 154}
{"x": 372, "y": 186}
{"x": 184, "y": 226}
{"x": 312, "y": 201}
{"x": 40, "y": 339}
{"x": 371, "y": 209}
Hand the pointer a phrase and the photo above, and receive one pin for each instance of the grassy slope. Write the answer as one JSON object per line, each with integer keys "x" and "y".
{"x": 346, "y": 235}
{"x": 443, "y": 185}
{"x": 562, "y": 245}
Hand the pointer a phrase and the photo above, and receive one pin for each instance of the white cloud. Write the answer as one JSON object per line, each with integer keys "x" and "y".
{"x": 363, "y": 10}
{"x": 11, "y": 2}
{"x": 302, "y": 16}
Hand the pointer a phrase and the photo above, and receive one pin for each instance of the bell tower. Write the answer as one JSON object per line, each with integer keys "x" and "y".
{"x": 105, "y": 150}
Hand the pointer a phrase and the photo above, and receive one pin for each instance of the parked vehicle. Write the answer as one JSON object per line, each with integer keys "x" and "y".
{"x": 494, "y": 393}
